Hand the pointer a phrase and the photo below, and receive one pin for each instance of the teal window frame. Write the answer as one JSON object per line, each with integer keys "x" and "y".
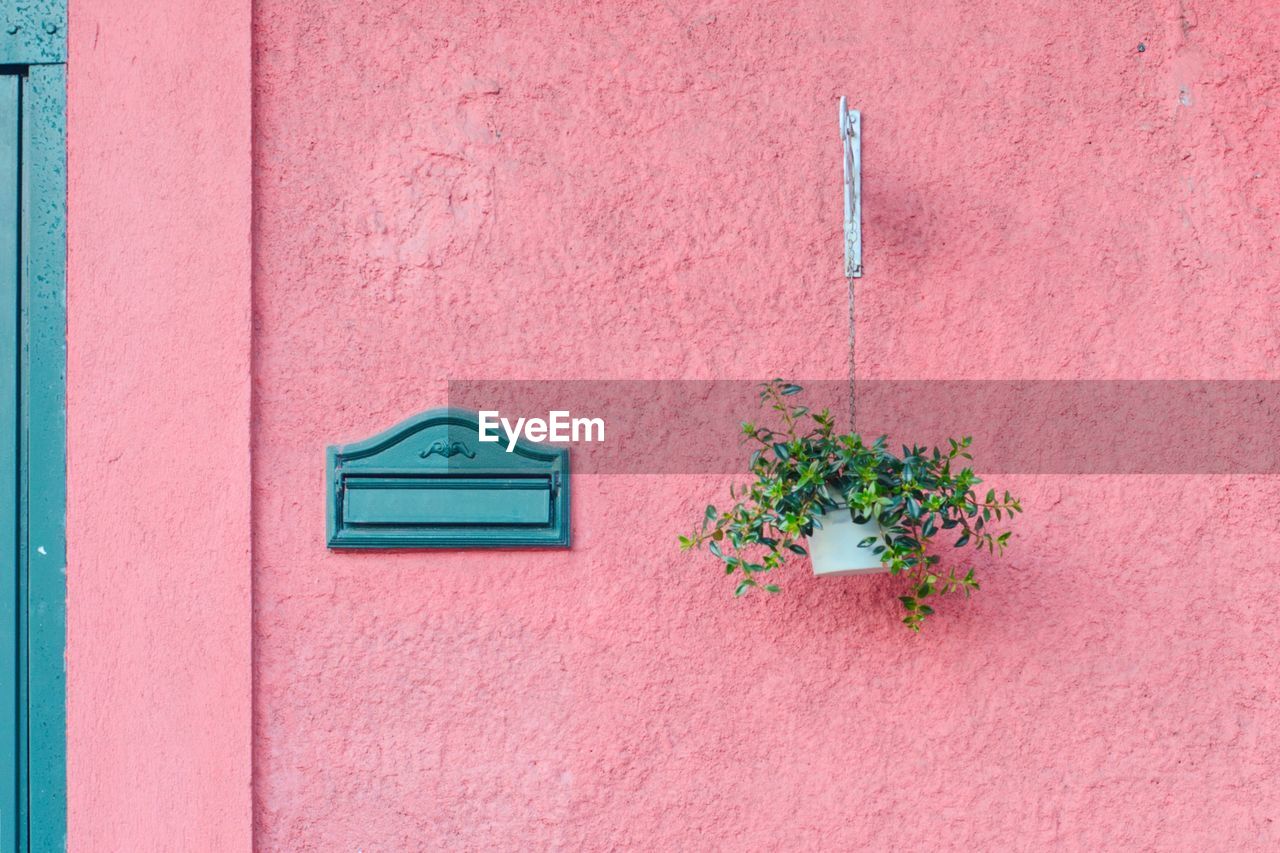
{"x": 33, "y": 45}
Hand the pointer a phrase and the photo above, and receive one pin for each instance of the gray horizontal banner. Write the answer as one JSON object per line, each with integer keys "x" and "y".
{"x": 1018, "y": 426}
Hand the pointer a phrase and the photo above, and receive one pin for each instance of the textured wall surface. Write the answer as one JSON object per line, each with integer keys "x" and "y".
{"x": 458, "y": 190}
{"x": 158, "y": 398}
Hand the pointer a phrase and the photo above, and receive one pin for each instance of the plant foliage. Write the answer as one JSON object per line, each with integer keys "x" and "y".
{"x": 804, "y": 469}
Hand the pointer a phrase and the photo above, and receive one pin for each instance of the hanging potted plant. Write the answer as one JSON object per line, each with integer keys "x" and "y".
{"x": 852, "y": 508}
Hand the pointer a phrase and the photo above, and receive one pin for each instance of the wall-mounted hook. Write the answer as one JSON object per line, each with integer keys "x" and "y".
{"x": 851, "y": 138}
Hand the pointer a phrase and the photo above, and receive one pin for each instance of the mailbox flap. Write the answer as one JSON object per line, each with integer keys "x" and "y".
{"x": 430, "y": 483}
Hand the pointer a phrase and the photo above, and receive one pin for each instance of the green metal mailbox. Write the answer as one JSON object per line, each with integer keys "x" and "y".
{"x": 431, "y": 483}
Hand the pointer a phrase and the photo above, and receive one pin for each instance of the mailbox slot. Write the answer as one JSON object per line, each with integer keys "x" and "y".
{"x": 448, "y": 501}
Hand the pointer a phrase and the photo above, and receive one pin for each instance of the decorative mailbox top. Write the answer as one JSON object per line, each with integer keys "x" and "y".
{"x": 431, "y": 483}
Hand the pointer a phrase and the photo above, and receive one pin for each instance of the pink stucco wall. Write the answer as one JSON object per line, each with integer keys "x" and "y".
{"x": 158, "y": 578}
{"x": 545, "y": 190}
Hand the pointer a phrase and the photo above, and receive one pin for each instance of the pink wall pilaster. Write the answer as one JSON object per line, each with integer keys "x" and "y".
{"x": 158, "y": 649}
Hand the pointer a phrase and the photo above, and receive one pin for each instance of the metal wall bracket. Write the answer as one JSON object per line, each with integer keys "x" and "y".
{"x": 851, "y": 137}
{"x": 33, "y": 32}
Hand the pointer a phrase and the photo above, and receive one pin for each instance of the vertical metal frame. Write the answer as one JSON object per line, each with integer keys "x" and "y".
{"x": 33, "y": 500}
{"x": 44, "y": 194}
{"x": 12, "y": 475}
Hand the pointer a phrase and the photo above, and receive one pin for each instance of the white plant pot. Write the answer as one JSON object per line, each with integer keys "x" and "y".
{"x": 834, "y": 548}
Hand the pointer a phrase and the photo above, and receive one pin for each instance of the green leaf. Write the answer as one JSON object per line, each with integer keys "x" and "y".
{"x": 962, "y": 541}
{"x": 773, "y": 587}
{"x": 711, "y": 512}
{"x": 788, "y": 390}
